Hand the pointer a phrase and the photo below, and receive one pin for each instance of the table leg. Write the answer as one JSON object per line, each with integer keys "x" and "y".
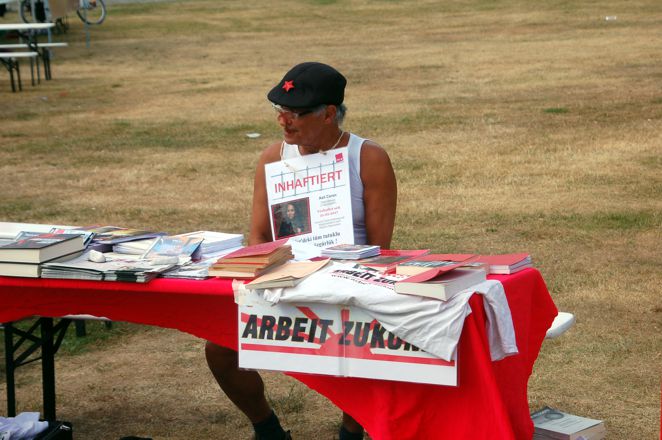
{"x": 10, "y": 367}
{"x": 48, "y": 367}
{"x": 44, "y": 335}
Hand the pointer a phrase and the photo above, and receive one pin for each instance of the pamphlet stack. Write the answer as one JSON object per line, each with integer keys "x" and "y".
{"x": 350, "y": 251}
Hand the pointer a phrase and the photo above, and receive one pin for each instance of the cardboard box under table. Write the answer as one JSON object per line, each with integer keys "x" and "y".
{"x": 332, "y": 340}
{"x": 490, "y": 401}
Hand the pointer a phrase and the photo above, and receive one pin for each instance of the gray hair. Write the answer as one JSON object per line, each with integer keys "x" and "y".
{"x": 341, "y": 111}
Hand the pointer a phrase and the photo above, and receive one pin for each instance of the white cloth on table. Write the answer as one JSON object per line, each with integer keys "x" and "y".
{"x": 432, "y": 325}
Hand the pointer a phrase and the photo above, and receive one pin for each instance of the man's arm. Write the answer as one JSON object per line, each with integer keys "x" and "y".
{"x": 380, "y": 194}
{"x": 260, "y": 226}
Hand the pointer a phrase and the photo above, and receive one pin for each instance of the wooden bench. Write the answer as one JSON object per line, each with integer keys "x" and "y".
{"x": 11, "y": 62}
{"x": 43, "y": 49}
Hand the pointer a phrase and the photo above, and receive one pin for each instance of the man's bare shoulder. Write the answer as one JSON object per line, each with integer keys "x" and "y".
{"x": 271, "y": 153}
{"x": 373, "y": 153}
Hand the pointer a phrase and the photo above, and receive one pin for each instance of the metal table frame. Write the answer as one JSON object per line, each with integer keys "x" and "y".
{"x": 20, "y": 349}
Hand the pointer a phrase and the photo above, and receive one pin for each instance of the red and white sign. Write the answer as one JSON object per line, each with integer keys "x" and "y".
{"x": 331, "y": 340}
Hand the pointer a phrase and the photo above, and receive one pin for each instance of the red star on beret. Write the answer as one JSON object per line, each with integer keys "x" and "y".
{"x": 288, "y": 85}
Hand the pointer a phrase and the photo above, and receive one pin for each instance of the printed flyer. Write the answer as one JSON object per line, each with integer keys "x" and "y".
{"x": 309, "y": 198}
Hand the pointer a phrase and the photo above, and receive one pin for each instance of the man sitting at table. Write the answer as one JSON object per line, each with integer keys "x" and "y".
{"x": 310, "y": 110}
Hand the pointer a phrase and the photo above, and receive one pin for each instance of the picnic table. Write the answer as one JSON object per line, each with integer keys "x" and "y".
{"x": 28, "y": 48}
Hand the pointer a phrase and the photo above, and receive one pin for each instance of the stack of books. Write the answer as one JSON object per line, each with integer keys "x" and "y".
{"x": 552, "y": 424}
{"x": 350, "y": 251}
{"x": 507, "y": 263}
{"x": 252, "y": 261}
{"x": 25, "y": 256}
{"x": 441, "y": 282}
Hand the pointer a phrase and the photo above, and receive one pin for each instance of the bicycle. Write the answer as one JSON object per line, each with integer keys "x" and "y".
{"x": 92, "y": 12}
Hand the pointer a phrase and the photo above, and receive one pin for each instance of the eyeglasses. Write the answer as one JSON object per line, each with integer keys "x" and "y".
{"x": 294, "y": 114}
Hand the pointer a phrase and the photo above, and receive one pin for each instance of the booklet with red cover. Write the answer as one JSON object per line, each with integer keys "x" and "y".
{"x": 437, "y": 271}
{"x": 506, "y": 263}
{"x": 430, "y": 261}
{"x": 388, "y": 259}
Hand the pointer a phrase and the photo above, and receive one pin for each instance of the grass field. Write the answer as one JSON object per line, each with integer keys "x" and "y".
{"x": 512, "y": 126}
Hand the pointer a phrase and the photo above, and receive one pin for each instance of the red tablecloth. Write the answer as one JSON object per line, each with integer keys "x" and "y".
{"x": 489, "y": 403}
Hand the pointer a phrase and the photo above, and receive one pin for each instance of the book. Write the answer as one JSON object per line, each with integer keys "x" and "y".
{"x": 552, "y": 424}
{"x": 287, "y": 275}
{"x": 41, "y": 248}
{"x": 429, "y": 261}
{"x": 388, "y": 259}
{"x": 443, "y": 286}
{"x": 256, "y": 253}
{"x": 350, "y": 251}
{"x": 506, "y": 263}
{"x": 27, "y": 270}
{"x": 24, "y": 270}
{"x": 240, "y": 274}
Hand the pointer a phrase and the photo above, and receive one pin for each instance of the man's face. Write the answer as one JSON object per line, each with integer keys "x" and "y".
{"x": 301, "y": 126}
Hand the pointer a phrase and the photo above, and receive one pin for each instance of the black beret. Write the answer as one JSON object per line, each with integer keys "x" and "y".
{"x": 309, "y": 85}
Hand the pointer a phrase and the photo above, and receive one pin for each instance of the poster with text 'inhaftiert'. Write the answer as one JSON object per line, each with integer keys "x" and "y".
{"x": 309, "y": 198}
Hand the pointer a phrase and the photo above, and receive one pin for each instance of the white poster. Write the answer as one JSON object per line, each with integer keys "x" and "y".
{"x": 331, "y": 340}
{"x": 309, "y": 198}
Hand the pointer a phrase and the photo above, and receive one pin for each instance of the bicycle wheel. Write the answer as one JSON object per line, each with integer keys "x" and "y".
{"x": 27, "y": 15}
{"x": 92, "y": 12}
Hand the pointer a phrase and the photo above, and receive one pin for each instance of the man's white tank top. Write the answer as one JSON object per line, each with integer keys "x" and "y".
{"x": 289, "y": 151}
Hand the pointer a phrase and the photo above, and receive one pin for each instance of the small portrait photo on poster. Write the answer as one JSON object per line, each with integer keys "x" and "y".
{"x": 291, "y": 218}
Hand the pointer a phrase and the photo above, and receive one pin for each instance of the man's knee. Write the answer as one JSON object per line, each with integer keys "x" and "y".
{"x": 221, "y": 358}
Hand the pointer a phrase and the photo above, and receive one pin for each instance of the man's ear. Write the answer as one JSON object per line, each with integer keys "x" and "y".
{"x": 330, "y": 115}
